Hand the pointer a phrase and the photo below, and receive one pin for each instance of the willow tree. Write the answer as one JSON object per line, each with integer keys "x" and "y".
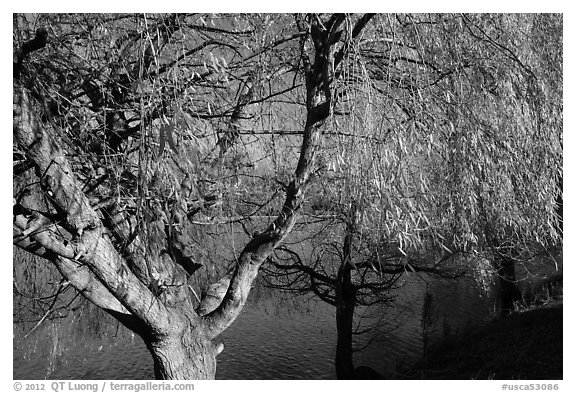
{"x": 451, "y": 143}
{"x": 502, "y": 136}
{"x": 131, "y": 131}
{"x": 125, "y": 134}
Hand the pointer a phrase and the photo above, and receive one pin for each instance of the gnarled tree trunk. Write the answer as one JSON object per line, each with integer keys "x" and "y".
{"x": 185, "y": 353}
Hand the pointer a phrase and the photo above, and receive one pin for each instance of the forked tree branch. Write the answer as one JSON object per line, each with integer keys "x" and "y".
{"x": 256, "y": 252}
{"x": 89, "y": 245}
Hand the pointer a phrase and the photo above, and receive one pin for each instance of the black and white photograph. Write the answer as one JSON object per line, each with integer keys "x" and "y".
{"x": 287, "y": 196}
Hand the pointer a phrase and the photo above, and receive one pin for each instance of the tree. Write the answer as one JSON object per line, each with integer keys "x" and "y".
{"x": 453, "y": 145}
{"x": 346, "y": 268}
{"x": 505, "y": 140}
{"x": 93, "y": 94}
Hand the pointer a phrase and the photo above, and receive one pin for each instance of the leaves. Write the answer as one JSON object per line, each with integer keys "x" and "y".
{"x": 439, "y": 123}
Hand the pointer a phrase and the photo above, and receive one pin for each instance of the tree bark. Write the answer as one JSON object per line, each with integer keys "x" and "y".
{"x": 185, "y": 354}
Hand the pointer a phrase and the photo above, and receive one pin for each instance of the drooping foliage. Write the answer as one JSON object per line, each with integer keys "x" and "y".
{"x": 418, "y": 135}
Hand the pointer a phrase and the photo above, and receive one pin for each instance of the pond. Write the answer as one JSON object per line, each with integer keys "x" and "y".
{"x": 274, "y": 340}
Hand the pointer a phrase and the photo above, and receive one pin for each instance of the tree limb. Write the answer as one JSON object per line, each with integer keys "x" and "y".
{"x": 89, "y": 245}
{"x": 319, "y": 100}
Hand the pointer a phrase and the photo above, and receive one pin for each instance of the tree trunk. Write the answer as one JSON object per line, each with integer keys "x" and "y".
{"x": 345, "y": 303}
{"x": 183, "y": 354}
{"x": 507, "y": 291}
{"x": 185, "y": 350}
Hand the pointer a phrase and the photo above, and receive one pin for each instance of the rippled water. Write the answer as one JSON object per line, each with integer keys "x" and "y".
{"x": 276, "y": 342}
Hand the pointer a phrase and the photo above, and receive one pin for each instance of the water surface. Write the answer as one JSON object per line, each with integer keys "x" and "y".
{"x": 273, "y": 340}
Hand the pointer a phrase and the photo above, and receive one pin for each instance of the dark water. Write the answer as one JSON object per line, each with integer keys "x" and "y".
{"x": 271, "y": 340}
